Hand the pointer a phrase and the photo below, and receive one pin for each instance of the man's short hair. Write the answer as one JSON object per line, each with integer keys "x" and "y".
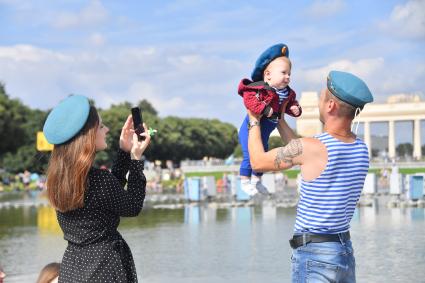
{"x": 344, "y": 109}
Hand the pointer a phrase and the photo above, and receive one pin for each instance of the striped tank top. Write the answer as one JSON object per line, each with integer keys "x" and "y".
{"x": 327, "y": 203}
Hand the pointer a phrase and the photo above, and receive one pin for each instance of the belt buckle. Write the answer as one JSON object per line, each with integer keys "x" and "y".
{"x": 306, "y": 239}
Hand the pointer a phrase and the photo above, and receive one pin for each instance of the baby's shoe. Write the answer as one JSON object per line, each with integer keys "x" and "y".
{"x": 247, "y": 187}
{"x": 256, "y": 183}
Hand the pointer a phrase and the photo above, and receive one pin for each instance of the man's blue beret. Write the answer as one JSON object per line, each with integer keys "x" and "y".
{"x": 66, "y": 119}
{"x": 349, "y": 88}
{"x": 271, "y": 53}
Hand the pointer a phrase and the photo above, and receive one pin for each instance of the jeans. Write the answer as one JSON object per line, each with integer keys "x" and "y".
{"x": 324, "y": 262}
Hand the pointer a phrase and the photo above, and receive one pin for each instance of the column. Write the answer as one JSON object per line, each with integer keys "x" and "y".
{"x": 391, "y": 139}
{"x": 367, "y": 138}
{"x": 417, "y": 154}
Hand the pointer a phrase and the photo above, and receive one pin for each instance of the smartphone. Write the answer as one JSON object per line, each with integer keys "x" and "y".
{"x": 138, "y": 122}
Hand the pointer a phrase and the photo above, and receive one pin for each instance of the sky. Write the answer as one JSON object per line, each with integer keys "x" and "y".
{"x": 187, "y": 57}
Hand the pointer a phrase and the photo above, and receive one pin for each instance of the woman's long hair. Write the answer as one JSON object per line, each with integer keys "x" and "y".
{"x": 69, "y": 166}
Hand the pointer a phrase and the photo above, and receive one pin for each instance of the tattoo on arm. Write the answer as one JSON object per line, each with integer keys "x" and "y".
{"x": 287, "y": 153}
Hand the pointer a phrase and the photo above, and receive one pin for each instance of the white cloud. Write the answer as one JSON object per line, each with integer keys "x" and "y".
{"x": 316, "y": 77}
{"x": 175, "y": 82}
{"x": 97, "y": 39}
{"x": 93, "y": 14}
{"x": 382, "y": 77}
{"x": 323, "y": 9}
{"x": 407, "y": 20}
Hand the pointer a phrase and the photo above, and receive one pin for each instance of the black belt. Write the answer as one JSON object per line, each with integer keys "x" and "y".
{"x": 304, "y": 239}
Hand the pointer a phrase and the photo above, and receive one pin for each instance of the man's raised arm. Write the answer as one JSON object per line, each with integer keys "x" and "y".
{"x": 276, "y": 159}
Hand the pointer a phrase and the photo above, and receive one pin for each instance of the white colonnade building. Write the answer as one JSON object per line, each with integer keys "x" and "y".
{"x": 398, "y": 108}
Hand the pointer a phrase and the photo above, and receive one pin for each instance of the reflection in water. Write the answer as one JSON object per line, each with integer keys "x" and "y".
{"x": 243, "y": 215}
{"x": 417, "y": 214}
{"x": 47, "y": 221}
{"x": 202, "y": 243}
{"x": 268, "y": 212}
{"x": 192, "y": 215}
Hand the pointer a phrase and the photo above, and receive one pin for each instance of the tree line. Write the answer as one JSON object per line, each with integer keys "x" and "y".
{"x": 177, "y": 138}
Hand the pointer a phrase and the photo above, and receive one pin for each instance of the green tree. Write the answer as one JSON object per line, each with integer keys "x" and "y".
{"x": 404, "y": 149}
{"x": 26, "y": 158}
{"x": 12, "y": 119}
{"x": 114, "y": 119}
{"x": 275, "y": 141}
{"x": 180, "y": 138}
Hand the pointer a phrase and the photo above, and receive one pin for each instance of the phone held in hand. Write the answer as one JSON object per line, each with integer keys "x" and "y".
{"x": 138, "y": 122}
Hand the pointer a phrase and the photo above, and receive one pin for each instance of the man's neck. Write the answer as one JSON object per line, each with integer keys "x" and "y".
{"x": 340, "y": 129}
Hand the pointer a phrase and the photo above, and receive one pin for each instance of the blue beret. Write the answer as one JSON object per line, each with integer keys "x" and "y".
{"x": 349, "y": 88}
{"x": 271, "y": 53}
{"x": 66, "y": 119}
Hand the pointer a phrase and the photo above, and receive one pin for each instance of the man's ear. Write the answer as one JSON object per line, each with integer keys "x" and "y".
{"x": 332, "y": 106}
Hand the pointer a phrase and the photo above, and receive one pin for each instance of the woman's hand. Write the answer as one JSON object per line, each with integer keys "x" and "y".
{"x": 138, "y": 147}
{"x": 129, "y": 141}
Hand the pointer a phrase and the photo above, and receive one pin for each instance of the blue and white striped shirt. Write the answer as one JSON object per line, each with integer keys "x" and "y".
{"x": 283, "y": 94}
{"x": 327, "y": 203}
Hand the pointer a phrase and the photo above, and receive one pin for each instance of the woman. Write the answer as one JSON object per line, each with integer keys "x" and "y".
{"x": 89, "y": 201}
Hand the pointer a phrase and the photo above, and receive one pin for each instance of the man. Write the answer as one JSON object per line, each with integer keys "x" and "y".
{"x": 333, "y": 165}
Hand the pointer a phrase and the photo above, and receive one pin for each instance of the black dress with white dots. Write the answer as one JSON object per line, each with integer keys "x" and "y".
{"x": 96, "y": 251}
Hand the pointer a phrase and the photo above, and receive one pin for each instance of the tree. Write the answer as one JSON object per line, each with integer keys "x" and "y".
{"x": 177, "y": 138}
{"x": 404, "y": 149}
{"x": 12, "y": 118}
{"x": 146, "y": 107}
{"x": 26, "y": 158}
{"x": 275, "y": 141}
{"x": 180, "y": 139}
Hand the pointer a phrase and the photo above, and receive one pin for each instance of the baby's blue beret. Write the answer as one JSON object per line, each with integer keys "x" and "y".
{"x": 271, "y": 53}
{"x": 66, "y": 119}
{"x": 349, "y": 88}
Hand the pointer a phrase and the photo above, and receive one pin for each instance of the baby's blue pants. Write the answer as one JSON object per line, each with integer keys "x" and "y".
{"x": 267, "y": 127}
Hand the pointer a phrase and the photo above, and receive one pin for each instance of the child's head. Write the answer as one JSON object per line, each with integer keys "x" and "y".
{"x": 49, "y": 273}
{"x": 266, "y": 58}
{"x": 278, "y": 72}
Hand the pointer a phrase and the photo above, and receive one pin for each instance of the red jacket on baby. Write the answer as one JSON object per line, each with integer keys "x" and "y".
{"x": 259, "y": 97}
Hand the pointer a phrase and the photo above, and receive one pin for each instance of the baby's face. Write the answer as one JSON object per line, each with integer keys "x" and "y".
{"x": 278, "y": 73}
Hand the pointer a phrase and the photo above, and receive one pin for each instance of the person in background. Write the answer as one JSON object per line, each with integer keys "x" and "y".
{"x": 89, "y": 201}
{"x": 2, "y": 275}
{"x": 49, "y": 273}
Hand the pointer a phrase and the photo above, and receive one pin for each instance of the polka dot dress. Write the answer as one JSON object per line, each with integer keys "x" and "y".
{"x": 96, "y": 251}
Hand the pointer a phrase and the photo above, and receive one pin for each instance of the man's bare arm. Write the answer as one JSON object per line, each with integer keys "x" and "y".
{"x": 281, "y": 158}
{"x": 286, "y": 133}
{"x": 285, "y": 155}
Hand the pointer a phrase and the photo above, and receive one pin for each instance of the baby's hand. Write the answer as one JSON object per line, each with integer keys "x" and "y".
{"x": 270, "y": 113}
{"x": 295, "y": 110}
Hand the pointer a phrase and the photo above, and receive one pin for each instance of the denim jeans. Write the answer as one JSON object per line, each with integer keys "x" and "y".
{"x": 324, "y": 262}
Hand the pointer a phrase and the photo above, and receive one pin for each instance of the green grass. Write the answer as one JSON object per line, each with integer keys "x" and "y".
{"x": 217, "y": 175}
{"x": 411, "y": 170}
{"x": 292, "y": 174}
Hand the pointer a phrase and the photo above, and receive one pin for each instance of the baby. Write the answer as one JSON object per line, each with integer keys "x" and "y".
{"x": 266, "y": 94}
